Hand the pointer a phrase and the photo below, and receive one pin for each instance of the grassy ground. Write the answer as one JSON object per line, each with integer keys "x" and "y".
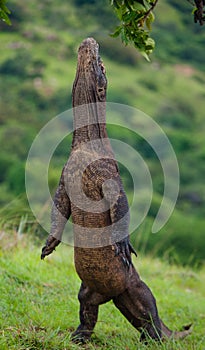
{"x": 39, "y": 307}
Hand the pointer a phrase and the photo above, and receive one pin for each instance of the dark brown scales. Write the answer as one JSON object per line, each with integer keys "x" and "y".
{"x": 90, "y": 180}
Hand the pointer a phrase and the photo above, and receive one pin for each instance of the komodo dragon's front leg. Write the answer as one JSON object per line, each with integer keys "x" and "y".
{"x": 61, "y": 211}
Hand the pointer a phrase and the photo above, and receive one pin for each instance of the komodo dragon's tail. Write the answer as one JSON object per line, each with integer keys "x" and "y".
{"x": 167, "y": 333}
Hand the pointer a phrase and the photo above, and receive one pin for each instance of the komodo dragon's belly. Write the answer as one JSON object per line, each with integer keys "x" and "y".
{"x": 101, "y": 270}
{"x": 95, "y": 258}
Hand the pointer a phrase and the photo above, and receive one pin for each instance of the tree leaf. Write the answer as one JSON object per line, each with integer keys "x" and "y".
{"x": 149, "y": 20}
{"x": 116, "y": 32}
{"x": 145, "y": 55}
{"x": 4, "y": 11}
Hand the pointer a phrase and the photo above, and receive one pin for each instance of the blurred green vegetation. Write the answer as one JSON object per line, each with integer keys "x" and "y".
{"x": 37, "y": 69}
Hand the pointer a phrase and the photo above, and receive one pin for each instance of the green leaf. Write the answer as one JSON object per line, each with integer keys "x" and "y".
{"x": 124, "y": 37}
{"x": 115, "y": 3}
{"x": 4, "y": 11}
{"x": 134, "y": 15}
{"x": 149, "y": 20}
{"x": 194, "y": 10}
{"x": 116, "y": 32}
{"x": 150, "y": 43}
{"x": 145, "y": 55}
{"x": 4, "y": 17}
{"x": 137, "y": 7}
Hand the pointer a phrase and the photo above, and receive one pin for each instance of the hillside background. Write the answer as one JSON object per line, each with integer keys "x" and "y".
{"x": 37, "y": 68}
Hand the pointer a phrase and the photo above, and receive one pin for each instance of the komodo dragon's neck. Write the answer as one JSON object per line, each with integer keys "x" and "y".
{"x": 89, "y": 95}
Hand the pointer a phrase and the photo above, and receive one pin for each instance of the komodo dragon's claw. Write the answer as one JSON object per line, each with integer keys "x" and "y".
{"x": 124, "y": 250}
{"x": 132, "y": 250}
{"x": 50, "y": 246}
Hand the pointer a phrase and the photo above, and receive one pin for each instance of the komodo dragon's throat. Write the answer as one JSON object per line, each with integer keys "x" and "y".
{"x": 102, "y": 248}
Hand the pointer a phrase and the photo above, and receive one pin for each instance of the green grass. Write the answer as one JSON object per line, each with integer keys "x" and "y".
{"x": 39, "y": 306}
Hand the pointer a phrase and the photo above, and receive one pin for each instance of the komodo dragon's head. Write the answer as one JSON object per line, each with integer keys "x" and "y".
{"x": 89, "y": 95}
{"x": 90, "y": 81}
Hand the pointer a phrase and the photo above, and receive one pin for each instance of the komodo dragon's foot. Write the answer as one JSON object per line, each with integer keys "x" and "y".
{"x": 81, "y": 336}
{"x": 51, "y": 243}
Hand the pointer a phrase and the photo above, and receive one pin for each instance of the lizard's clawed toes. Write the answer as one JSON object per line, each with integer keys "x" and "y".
{"x": 51, "y": 243}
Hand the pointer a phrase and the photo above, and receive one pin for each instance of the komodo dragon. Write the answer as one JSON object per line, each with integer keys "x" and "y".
{"x": 102, "y": 251}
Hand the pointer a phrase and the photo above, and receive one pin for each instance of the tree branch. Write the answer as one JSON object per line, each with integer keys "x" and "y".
{"x": 150, "y": 10}
{"x": 199, "y": 12}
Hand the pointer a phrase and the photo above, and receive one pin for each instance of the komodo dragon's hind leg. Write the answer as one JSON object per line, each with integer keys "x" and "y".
{"x": 89, "y": 305}
{"x": 138, "y": 305}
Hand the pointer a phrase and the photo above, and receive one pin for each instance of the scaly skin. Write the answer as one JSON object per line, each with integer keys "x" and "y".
{"x": 90, "y": 180}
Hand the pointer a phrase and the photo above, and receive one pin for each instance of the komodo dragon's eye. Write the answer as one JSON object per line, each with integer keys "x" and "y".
{"x": 101, "y": 86}
{"x": 101, "y": 93}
